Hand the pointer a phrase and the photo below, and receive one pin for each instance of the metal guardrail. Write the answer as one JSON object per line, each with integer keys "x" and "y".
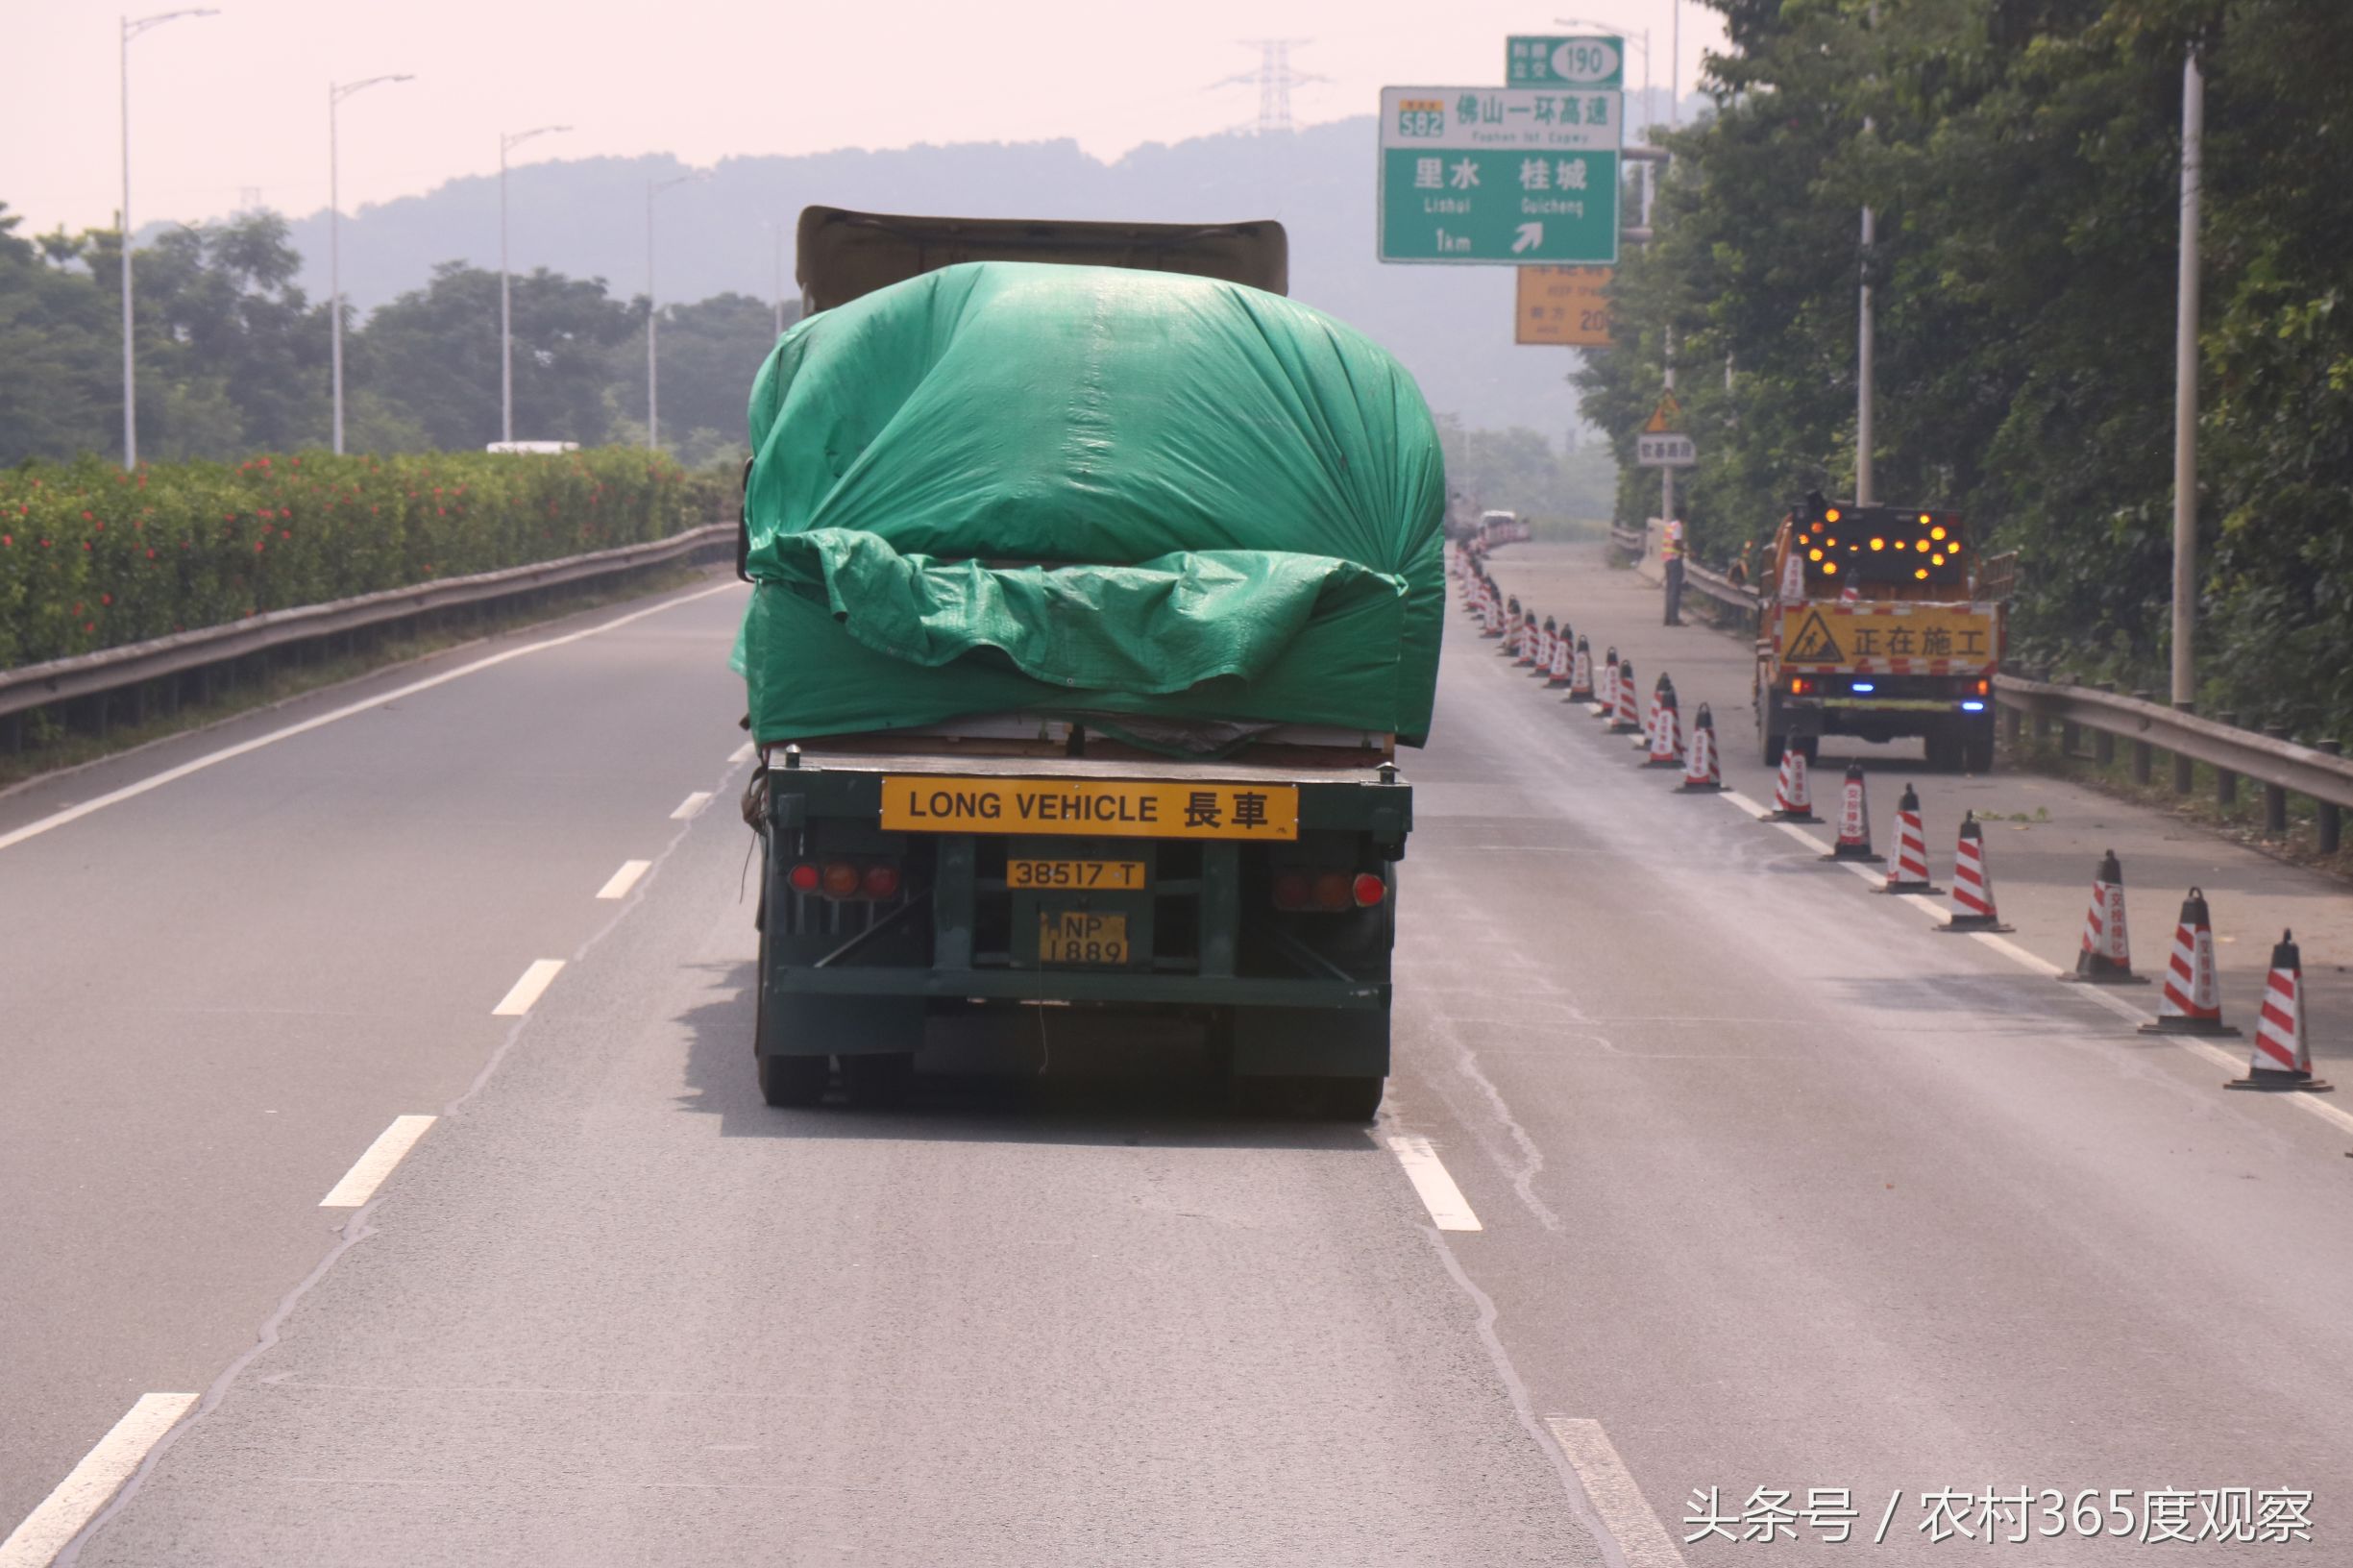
{"x": 1628, "y": 540}
{"x": 112, "y": 669}
{"x": 1744, "y": 605}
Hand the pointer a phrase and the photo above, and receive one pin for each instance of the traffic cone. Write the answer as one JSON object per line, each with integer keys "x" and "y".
{"x": 1661, "y": 693}
{"x": 1531, "y": 643}
{"x": 1580, "y": 673}
{"x": 1700, "y": 775}
{"x": 1853, "y": 821}
{"x": 2106, "y": 956}
{"x": 1909, "y": 871}
{"x": 1624, "y": 721}
{"x": 1972, "y": 888}
{"x": 2281, "y": 1059}
{"x": 1793, "y": 800}
{"x": 1606, "y": 706}
{"x": 1491, "y": 619}
{"x": 2192, "y": 1002}
{"x": 1557, "y": 673}
{"x": 1666, "y": 729}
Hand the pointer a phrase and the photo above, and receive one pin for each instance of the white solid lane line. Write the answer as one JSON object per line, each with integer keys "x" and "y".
{"x": 624, "y": 879}
{"x": 93, "y": 1482}
{"x": 536, "y": 979}
{"x": 1735, "y": 797}
{"x": 1448, "y": 1207}
{"x": 692, "y": 806}
{"x": 197, "y": 765}
{"x": 1625, "y": 1512}
{"x": 743, "y": 752}
{"x": 368, "y": 1172}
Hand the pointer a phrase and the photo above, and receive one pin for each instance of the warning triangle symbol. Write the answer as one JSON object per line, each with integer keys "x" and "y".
{"x": 1813, "y": 644}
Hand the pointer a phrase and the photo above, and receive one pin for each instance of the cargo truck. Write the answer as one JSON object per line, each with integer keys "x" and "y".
{"x": 1096, "y": 586}
{"x": 1873, "y": 625}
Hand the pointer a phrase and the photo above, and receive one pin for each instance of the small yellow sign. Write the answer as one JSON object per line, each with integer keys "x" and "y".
{"x": 1667, "y": 419}
{"x": 1563, "y": 306}
{"x": 1108, "y": 808}
{"x": 1918, "y": 639}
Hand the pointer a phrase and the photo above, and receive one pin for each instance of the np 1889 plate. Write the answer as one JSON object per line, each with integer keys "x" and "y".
{"x": 1081, "y": 935}
{"x": 1112, "y": 875}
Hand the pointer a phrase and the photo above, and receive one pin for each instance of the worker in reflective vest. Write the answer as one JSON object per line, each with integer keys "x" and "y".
{"x": 1671, "y": 556}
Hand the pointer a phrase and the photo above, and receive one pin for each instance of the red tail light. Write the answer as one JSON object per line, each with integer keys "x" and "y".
{"x": 803, "y": 877}
{"x": 1291, "y": 890}
{"x": 1332, "y": 891}
{"x": 881, "y": 881}
{"x": 1370, "y": 890}
{"x": 841, "y": 879}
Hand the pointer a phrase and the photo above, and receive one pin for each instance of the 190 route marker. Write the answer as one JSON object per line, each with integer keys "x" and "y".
{"x": 1500, "y": 175}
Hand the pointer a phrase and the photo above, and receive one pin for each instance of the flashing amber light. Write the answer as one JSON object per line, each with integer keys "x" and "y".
{"x": 1936, "y": 560}
{"x": 1922, "y": 546}
{"x": 1878, "y": 544}
{"x": 1817, "y": 528}
{"x": 1799, "y": 685}
{"x": 1813, "y": 554}
{"x": 1832, "y": 540}
{"x": 1923, "y": 517}
{"x": 1922, "y": 573}
{"x": 1830, "y": 568}
{"x": 1952, "y": 546}
{"x": 1937, "y": 532}
{"x": 1832, "y": 514}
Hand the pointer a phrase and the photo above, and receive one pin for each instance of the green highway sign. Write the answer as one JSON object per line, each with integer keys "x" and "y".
{"x": 1500, "y": 175}
{"x": 1564, "y": 63}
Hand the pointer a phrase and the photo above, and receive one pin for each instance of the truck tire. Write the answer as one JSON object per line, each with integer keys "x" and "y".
{"x": 1942, "y": 744}
{"x": 794, "y": 1081}
{"x": 878, "y": 1080}
{"x": 1772, "y": 748}
{"x": 1356, "y": 1100}
{"x": 1978, "y": 748}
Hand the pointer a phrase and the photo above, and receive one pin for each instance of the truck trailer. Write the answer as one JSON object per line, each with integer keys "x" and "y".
{"x": 1095, "y": 587}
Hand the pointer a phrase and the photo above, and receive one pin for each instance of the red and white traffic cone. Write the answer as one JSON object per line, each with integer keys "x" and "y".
{"x": 1972, "y": 885}
{"x": 2192, "y": 1002}
{"x": 1580, "y": 673}
{"x": 1701, "y": 774}
{"x": 2105, "y": 958}
{"x": 1557, "y": 674}
{"x": 1666, "y": 742}
{"x": 1492, "y": 616}
{"x": 2281, "y": 1059}
{"x": 1853, "y": 821}
{"x": 1530, "y": 638}
{"x": 1626, "y": 722}
{"x": 1793, "y": 797}
{"x": 1606, "y": 705}
{"x": 1650, "y": 712}
{"x": 1909, "y": 871}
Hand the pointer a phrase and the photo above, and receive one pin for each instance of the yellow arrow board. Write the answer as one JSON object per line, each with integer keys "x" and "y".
{"x": 1665, "y": 419}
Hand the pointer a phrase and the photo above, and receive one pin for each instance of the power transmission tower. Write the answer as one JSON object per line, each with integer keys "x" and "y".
{"x": 1274, "y": 79}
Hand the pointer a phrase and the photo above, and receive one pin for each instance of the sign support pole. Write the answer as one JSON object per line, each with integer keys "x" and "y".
{"x": 2185, "y": 386}
{"x": 1666, "y": 476}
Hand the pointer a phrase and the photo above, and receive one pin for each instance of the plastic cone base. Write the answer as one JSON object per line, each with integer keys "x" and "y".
{"x": 1861, "y": 857}
{"x": 1576, "y": 696}
{"x": 1618, "y": 727}
{"x": 1709, "y": 787}
{"x": 2178, "y": 1025}
{"x": 2103, "y": 972}
{"x": 1789, "y": 817}
{"x": 2282, "y": 1083}
{"x": 1907, "y": 887}
{"x": 1661, "y": 762}
{"x": 1964, "y": 924}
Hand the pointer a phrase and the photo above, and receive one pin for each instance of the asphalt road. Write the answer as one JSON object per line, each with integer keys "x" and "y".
{"x": 1779, "y": 1188}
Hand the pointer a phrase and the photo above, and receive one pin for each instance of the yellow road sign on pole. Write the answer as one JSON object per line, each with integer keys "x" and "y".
{"x": 1563, "y": 306}
{"x": 1665, "y": 419}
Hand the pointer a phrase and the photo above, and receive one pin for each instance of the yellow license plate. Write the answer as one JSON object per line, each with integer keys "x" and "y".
{"x": 1113, "y": 875}
{"x": 1081, "y": 935}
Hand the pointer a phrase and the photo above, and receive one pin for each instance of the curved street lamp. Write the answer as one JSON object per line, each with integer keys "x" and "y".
{"x": 335, "y": 94}
{"x": 654, "y": 188}
{"x": 133, "y": 27}
{"x": 508, "y": 141}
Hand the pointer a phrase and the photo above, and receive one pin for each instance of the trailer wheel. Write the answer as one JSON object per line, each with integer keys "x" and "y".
{"x": 795, "y": 1080}
{"x": 878, "y": 1080}
{"x": 1978, "y": 748}
{"x": 1944, "y": 748}
{"x": 1353, "y": 1099}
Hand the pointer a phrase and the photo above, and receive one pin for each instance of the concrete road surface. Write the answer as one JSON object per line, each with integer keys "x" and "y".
{"x": 1777, "y": 1191}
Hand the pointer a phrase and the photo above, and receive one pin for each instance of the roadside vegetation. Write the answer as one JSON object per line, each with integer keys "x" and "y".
{"x": 2023, "y": 159}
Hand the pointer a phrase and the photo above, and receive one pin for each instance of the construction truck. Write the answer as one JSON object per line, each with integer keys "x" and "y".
{"x": 1095, "y": 587}
{"x": 1875, "y": 623}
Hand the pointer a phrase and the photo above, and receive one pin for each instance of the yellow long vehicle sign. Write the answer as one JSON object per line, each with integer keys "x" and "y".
{"x": 1110, "y": 808}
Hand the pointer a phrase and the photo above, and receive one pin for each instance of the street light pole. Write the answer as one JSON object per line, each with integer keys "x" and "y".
{"x": 508, "y": 141}
{"x": 654, "y": 188}
{"x": 132, "y": 29}
{"x": 336, "y": 95}
{"x": 2184, "y": 384}
{"x": 1867, "y": 351}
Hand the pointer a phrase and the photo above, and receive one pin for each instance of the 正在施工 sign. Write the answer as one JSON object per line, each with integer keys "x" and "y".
{"x": 1509, "y": 176}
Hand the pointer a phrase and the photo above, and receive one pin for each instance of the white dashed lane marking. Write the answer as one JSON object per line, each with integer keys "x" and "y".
{"x": 692, "y": 806}
{"x": 368, "y": 1172}
{"x": 1448, "y": 1207}
{"x": 93, "y": 1482}
{"x": 1626, "y": 1513}
{"x": 536, "y": 980}
{"x": 618, "y": 886}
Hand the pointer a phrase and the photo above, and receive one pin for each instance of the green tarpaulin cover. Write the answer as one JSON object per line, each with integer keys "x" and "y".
{"x": 1089, "y": 492}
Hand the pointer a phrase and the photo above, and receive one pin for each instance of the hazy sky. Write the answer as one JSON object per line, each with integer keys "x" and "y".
{"x": 232, "y": 108}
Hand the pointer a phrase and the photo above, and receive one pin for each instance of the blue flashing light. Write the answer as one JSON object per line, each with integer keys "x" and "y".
{"x": 1972, "y": 708}
{"x": 1864, "y": 686}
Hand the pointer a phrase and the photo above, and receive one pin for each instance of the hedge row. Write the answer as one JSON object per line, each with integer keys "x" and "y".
{"x": 91, "y": 557}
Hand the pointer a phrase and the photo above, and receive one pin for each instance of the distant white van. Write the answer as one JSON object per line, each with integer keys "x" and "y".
{"x": 534, "y": 448}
